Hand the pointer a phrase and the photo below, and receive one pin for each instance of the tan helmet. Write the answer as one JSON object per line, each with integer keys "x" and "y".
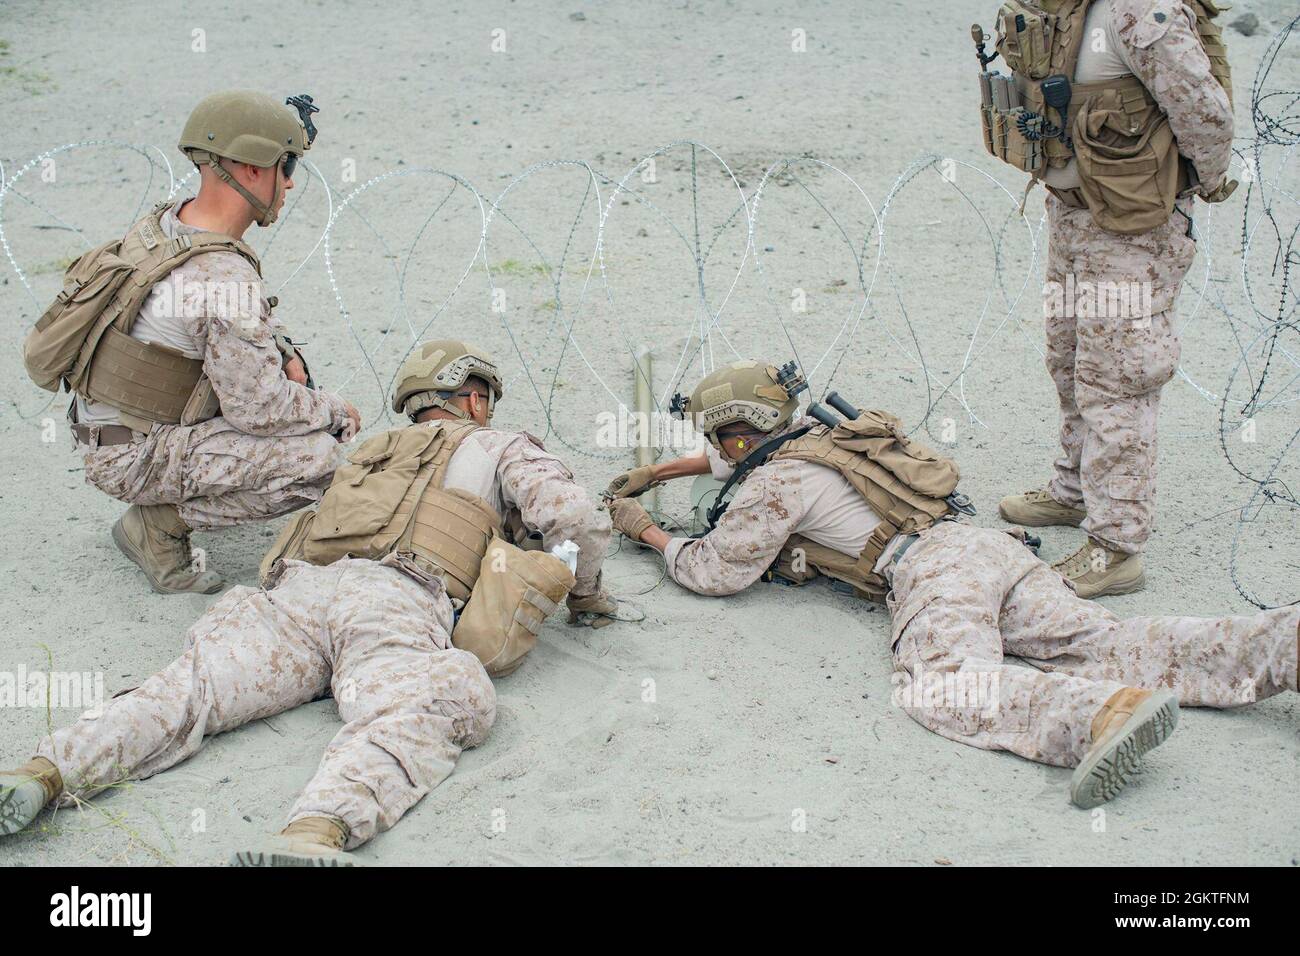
{"x": 759, "y": 395}
{"x": 434, "y": 371}
{"x": 249, "y": 127}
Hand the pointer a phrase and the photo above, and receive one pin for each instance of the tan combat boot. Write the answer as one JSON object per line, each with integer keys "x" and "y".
{"x": 310, "y": 841}
{"x": 156, "y": 539}
{"x": 1128, "y": 725}
{"x": 25, "y": 792}
{"x": 1038, "y": 509}
{"x": 1095, "y": 570}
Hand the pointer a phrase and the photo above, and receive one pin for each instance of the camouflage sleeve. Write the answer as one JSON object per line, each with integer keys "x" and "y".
{"x": 765, "y": 512}
{"x": 552, "y": 503}
{"x": 241, "y": 360}
{"x": 1164, "y": 50}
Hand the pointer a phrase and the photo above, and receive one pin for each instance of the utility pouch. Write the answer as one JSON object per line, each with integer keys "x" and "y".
{"x": 92, "y": 281}
{"x": 1128, "y": 163}
{"x": 365, "y": 495}
{"x": 1025, "y": 38}
{"x": 515, "y": 592}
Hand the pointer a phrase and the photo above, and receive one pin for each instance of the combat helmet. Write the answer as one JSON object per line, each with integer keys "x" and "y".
{"x": 249, "y": 127}
{"x": 434, "y": 371}
{"x": 762, "y": 396}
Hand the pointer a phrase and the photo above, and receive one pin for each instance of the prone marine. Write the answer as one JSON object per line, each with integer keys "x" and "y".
{"x": 858, "y": 501}
{"x": 425, "y": 571}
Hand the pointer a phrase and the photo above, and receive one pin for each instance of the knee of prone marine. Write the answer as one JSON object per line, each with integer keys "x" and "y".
{"x": 467, "y": 696}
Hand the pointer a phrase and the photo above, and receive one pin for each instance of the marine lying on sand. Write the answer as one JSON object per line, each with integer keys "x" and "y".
{"x": 858, "y": 501}
{"x": 400, "y": 596}
{"x": 854, "y": 500}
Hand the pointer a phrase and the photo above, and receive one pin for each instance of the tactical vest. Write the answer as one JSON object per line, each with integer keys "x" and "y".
{"x": 389, "y": 498}
{"x": 905, "y": 484}
{"x": 83, "y": 339}
{"x": 1128, "y": 161}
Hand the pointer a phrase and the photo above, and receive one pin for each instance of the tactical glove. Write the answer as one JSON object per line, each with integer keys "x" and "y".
{"x": 1224, "y": 190}
{"x": 629, "y": 517}
{"x": 632, "y": 483}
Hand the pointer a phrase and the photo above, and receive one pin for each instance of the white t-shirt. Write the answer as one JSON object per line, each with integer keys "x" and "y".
{"x": 1102, "y": 56}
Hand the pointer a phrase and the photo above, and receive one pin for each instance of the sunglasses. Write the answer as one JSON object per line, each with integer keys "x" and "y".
{"x": 491, "y": 398}
{"x": 290, "y": 164}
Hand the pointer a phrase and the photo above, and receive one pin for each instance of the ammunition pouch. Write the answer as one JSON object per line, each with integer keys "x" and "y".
{"x": 1002, "y": 118}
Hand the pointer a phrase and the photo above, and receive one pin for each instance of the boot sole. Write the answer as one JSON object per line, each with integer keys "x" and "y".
{"x": 1105, "y": 773}
{"x": 1041, "y": 522}
{"x": 14, "y": 812}
{"x": 284, "y": 858}
{"x": 134, "y": 556}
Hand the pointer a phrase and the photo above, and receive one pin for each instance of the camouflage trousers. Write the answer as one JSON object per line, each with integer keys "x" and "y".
{"x": 1111, "y": 347}
{"x": 965, "y": 597}
{"x": 216, "y": 475}
{"x": 369, "y": 634}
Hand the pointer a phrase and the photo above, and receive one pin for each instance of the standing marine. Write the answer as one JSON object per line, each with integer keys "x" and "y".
{"x": 1123, "y": 110}
{"x": 191, "y": 404}
{"x": 858, "y": 501}
{"x": 424, "y": 570}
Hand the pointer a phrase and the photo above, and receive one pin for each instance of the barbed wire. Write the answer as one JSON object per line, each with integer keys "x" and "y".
{"x": 1275, "y": 114}
{"x": 720, "y": 255}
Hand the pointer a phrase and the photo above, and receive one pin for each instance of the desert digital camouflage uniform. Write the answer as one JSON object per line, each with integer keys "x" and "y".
{"x": 962, "y": 597}
{"x": 776, "y": 500}
{"x": 1109, "y": 369}
{"x": 270, "y": 451}
{"x": 511, "y": 470}
{"x": 377, "y": 635}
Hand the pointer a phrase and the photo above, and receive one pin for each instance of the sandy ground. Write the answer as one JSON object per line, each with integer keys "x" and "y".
{"x": 757, "y": 729}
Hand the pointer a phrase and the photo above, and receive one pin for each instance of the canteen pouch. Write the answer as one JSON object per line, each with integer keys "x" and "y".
{"x": 1130, "y": 182}
{"x": 515, "y": 592}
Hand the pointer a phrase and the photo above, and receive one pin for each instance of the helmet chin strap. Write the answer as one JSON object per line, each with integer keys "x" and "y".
{"x": 266, "y": 215}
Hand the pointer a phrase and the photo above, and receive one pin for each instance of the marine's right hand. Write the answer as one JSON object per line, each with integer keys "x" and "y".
{"x": 633, "y": 483}
{"x": 353, "y": 425}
